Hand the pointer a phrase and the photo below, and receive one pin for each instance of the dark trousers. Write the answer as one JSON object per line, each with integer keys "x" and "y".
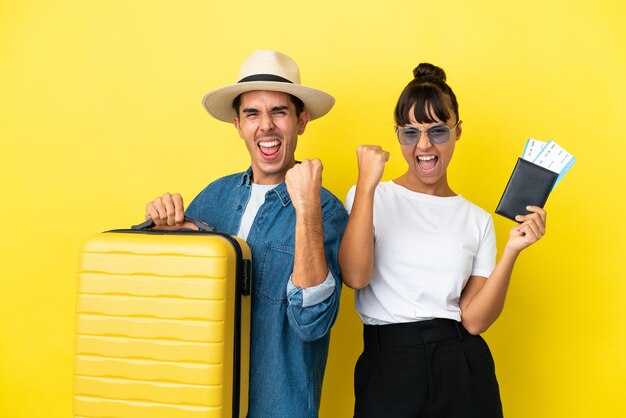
{"x": 429, "y": 369}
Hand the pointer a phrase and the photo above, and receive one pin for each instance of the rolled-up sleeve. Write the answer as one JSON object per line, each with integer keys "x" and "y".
{"x": 312, "y": 311}
{"x": 311, "y": 295}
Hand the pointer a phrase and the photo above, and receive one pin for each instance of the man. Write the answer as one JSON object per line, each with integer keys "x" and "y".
{"x": 291, "y": 223}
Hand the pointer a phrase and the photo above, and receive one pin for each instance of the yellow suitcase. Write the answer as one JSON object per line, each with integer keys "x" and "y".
{"x": 163, "y": 325}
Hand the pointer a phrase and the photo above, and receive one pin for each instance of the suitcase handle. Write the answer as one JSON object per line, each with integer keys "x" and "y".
{"x": 202, "y": 226}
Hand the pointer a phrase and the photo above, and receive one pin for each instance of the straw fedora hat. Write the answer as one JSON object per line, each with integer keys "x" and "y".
{"x": 267, "y": 70}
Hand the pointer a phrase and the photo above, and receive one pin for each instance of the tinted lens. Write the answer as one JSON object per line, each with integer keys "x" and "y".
{"x": 439, "y": 134}
{"x": 408, "y": 136}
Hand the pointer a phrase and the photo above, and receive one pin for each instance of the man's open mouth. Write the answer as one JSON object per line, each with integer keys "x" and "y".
{"x": 269, "y": 149}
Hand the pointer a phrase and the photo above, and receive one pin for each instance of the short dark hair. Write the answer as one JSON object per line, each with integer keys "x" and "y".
{"x": 427, "y": 91}
{"x": 298, "y": 104}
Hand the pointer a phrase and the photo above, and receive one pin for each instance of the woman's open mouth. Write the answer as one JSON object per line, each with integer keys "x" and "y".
{"x": 427, "y": 163}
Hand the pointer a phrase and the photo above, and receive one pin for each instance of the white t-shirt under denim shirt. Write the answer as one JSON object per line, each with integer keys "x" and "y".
{"x": 257, "y": 198}
{"x": 426, "y": 248}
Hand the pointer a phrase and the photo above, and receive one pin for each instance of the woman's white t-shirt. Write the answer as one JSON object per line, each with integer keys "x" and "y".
{"x": 425, "y": 249}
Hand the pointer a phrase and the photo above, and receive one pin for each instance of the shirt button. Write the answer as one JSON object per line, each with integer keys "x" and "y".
{"x": 238, "y": 207}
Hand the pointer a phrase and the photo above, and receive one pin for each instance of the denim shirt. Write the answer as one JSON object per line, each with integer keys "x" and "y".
{"x": 290, "y": 327}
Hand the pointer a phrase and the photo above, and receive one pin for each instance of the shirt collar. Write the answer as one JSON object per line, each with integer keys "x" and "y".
{"x": 280, "y": 190}
{"x": 283, "y": 194}
{"x": 246, "y": 177}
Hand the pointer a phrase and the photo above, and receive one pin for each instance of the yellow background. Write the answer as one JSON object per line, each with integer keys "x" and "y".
{"x": 100, "y": 112}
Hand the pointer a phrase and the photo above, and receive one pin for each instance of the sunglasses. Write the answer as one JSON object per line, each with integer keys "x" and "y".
{"x": 438, "y": 134}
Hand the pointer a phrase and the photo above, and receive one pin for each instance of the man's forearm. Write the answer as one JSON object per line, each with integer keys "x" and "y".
{"x": 309, "y": 268}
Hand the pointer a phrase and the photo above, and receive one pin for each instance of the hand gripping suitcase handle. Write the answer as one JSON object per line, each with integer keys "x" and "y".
{"x": 202, "y": 226}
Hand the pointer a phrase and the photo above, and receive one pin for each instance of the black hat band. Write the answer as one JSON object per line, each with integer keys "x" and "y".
{"x": 264, "y": 77}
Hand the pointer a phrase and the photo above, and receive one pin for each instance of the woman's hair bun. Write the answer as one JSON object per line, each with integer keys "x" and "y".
{"x": 426, "y": 70}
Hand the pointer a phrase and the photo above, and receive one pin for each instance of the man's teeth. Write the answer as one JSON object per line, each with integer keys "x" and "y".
{"x": 269, "y": 144}
{"x": 426, "y": 157}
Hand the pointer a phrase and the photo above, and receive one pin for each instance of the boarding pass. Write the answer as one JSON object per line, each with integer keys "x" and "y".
{"x": 549, "y": 155}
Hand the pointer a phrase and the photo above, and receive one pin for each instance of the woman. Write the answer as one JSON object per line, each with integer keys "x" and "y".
{"x": 422, "y": 261}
